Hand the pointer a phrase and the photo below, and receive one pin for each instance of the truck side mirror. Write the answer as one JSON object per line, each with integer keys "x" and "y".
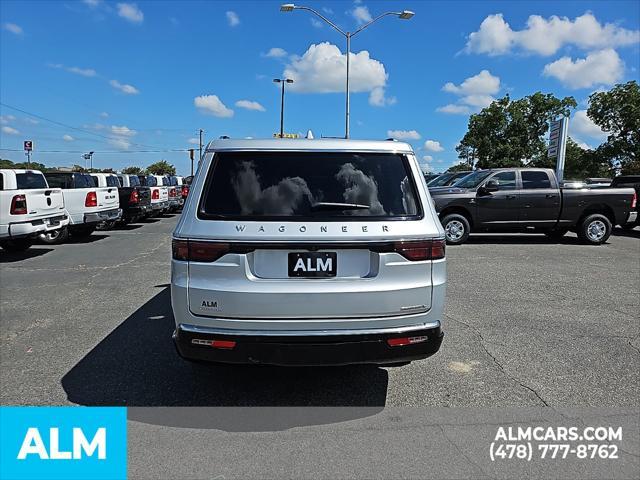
{"x": 490, "y": 186}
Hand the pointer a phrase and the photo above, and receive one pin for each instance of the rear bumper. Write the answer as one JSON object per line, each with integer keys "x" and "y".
{"x": 159, "y": 206}
{"x": 40, "y": 225}
{"x": 103, "y": 216}
{"x": 341, "y": 347}
{"x": 136, "y": 211}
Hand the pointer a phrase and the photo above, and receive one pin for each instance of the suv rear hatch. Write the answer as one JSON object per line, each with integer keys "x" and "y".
{"x": 305, "y": 235}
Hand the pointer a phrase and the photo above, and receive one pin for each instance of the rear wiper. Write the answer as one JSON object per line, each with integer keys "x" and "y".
{"x": 338, "y": 206}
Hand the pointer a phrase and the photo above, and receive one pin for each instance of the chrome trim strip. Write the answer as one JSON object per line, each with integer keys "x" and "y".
{"x": 306, "y": 333}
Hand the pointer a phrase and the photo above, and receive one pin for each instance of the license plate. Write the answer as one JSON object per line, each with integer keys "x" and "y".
{"x": 313, "y": 264}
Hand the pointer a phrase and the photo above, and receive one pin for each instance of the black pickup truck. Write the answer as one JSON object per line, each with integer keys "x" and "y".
{"x": 135, "y": 199}
{"x": 530, "y": 200}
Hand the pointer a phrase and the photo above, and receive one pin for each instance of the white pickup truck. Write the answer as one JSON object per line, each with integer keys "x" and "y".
{"x": 159, "y": 193}
{"x": 28, "y": 207}
{"x": 86, "y": 204}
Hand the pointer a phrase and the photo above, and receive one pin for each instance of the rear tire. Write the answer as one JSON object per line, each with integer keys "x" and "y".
{"x": 594, "y": 229}
{"x": 55, "y": 236}
{"x": 17, "y": 245}
{"x": 456, "y": 228}
{"x": 556, "y": 234}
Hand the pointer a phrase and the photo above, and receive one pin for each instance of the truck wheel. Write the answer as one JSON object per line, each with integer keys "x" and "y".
{"x": 556, "y": 234}
{"x": 594, "y": 229}
{"x": 456, "y": 229}
{"x": 54, "y": 236}
{"x": 18, "y": 245}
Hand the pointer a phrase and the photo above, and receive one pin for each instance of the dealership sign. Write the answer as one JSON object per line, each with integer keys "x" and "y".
{"x": 558, "y": 144}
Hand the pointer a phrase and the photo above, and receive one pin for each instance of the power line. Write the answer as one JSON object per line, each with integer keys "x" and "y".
{"x": 55, "y": 122}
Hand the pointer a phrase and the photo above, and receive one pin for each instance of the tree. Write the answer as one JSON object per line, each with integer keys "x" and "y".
{"x": 509, "y": 133}
{"x": 78, "y": 168}
{"x": 618, "y": 113}
{"x": 33, "y": 165}
{"x": 161, "y": 168}
{"x": 581, "y": 163}
{"x": 133, "y": 170}
{"x": 458, "y": 167}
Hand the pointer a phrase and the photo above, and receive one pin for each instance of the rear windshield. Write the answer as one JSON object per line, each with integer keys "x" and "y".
{"x": 134, "y": 181}
{"x": 263, "y": 185}
{"x": 112, "y": 181}
{"x": 70, "y": 180}
{"x": 151, "y": 181}
{"x": 30, "y": 180}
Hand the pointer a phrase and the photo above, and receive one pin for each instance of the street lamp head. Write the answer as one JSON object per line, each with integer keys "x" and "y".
{"x": 287, "y": 7}
{"x": 406, "y": 14}
{"x": 277, "y": 80}
{"x": 288, "y": 80}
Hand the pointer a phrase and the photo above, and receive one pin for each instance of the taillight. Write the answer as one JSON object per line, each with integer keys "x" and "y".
{"x": 185, "y": 191}
{"x": 134, "y": 197}
{"x": 421, "y": 249}
{"x": 91, "y": 200}
{"x": 19, "y": 205}
{"x": 188, "y": 250}
{"x": 634, "y": 202}
{"x": 155, "y": 195}
{"x": 173, "y": 192}
{"x": 403, "y": 341}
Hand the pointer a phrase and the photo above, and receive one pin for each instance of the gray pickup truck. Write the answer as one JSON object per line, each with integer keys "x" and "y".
{"x": 530, "y": 200}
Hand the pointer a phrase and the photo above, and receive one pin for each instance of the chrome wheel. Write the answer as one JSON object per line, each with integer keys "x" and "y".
{"x": 454, "y": 230}
{"x": 596, "y": 230}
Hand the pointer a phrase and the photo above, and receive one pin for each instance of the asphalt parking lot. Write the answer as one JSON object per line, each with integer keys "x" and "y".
{"x": 529, "y": 322}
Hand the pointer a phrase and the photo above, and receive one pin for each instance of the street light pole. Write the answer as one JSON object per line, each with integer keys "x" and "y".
{"x": 404, "y": 15}
{"x": 282, "y": 81}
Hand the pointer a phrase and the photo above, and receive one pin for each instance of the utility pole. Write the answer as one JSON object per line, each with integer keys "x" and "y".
{"x": 200, "y": 157}
{"x": 282, "y": 81}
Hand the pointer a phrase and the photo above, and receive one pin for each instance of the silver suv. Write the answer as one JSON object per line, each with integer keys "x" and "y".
{"x": 308, "y": 252}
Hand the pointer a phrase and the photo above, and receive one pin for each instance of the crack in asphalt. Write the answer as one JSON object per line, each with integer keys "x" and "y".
{"x": 461, "y": 452}
{"x": 495, "y": 360}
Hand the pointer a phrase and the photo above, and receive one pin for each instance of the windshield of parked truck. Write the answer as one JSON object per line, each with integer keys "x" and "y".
{"x": 472, "y": 180}
{"x": 244, "y": 185}
{"x": 440, "y": 180}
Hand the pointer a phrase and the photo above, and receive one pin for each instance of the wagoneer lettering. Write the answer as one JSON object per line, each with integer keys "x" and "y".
{"x": 294, "y": 238}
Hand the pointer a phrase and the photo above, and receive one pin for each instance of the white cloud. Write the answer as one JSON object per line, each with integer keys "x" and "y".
{"x": 233, "y": 19}
{"x": 13, "y": 28}
{"x": 5, "y": 119}
{"x": 120, "y": 142}
{"x": 322, "y": 69}
{"x": 276, "y": 52}
{"x": 130, "y": 12}
{"x": 122, "y": 131}
{"x": 92, "y": 3}
{"x": 427, "y": 158}
{"x": 104, "y": 114}
{"x": 603, "y": 67}
{"x": 474, "y": 92}
{"x": 316, "y": 23}
{"x": 581, "y": 124}
{"x": 403, "y": 134}
{"x": 212, "y": 105}
{"x": 68, "y": 138}
{"x": 250, "y": 105}
{"x": 327, "y": 10}
{"x": 124, "y": 88}
{"x": 194, "y": 141}
{"x": 433, "y": 146}
{"x": 10, "y": 131}
{"x": 85, "y": 72}
{"x": 545, "y": 36}
{"x": 31, "y": 121}
{"x": 454, "y": 109}
{"x": 583, "y": 145}
{"x": 377, "y": 98}
{"x": 361, "y": 14}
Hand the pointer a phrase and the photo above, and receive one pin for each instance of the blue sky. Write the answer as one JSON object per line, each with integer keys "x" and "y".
{"x": 137, "y": 80}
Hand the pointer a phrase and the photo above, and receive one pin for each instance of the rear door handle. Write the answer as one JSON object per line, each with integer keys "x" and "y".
{"x": 510, "y": 197}
{"x": 551, "y": 195}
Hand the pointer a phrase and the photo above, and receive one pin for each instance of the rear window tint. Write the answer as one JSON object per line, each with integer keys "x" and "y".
{"x": 535, "y": 180}
{"x": 151, "y": 181}
{"x": 134, "y": 181}
{"x": 112, "y": 181}
{"x": 263, "y": 185}
{"x": 29, "y": 180}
